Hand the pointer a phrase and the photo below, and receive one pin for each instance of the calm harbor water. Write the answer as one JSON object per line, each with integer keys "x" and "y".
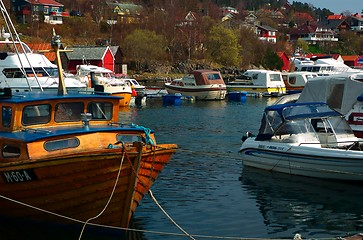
{"x": 207, "y": 192}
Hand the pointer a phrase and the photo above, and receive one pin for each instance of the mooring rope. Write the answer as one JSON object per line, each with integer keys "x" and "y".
{"x": 166, "y": 214}
{"x": 110, "y": 198}
{"x": 149, "y": 231}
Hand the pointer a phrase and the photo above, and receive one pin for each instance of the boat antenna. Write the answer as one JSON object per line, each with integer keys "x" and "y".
{"x": 56, "y": 44}
{"x": 12, "y": 31}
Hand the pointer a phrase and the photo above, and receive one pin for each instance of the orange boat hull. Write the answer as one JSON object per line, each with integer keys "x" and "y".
{"x": 79, "y": 186}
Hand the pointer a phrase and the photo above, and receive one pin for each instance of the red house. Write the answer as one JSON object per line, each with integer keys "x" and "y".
{"x": 352, "y": 61}
{"x": 266, "y": 33}
{"x": 285, "y": 59}
{"x": 99, "y": 56}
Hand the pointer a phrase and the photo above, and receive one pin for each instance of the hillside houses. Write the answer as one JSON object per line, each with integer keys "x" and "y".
{"x": 272, "y": 25}
{"x": 49, "y": 11}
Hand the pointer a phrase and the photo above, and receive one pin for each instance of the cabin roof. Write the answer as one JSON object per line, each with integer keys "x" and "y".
{"x": 49, "y": 96}
{"x": 31, "y": 135}
{"x": 303, "y": 110}
{"x": 87, "y": 52}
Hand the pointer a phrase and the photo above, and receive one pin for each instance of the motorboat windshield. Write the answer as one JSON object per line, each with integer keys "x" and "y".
{"x": 315, "y": 120}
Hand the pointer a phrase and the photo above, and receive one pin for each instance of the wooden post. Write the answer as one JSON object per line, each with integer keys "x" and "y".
{"x": 56, "y": 43}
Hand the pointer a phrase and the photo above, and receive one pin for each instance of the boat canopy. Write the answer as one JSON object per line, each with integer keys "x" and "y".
{"x": 340, "y": 92}
{"x": 301, "y": 118}
{"x": 206, "y": 77}
{"x": 291, "y": 111}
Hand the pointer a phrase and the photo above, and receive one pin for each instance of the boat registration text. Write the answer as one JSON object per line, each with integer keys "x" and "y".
{"x": 19, "y": 176}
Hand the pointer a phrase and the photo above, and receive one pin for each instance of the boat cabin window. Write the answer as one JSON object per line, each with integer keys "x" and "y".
{"x": 6, "y": 116}
{"x": 61, "y": 144}
{"x": 213, "y": 76}
{"x": 68, "y": 112}
{"x": 13, "y": 73}
{"x": 36, "y": 114}
{"x": 128, "y": 138}
{"x": 100, "y": 110}
{"x": 292, "y": 79}
{"x": 295, "y": 127}
{"x": 18, "y": 73}
{"x": 340, "y": 126}
{"x": 275, "y": 77}
{"x": 10, "y": 151}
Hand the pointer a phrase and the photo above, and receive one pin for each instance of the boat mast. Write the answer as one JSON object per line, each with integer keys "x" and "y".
{"x": 56, "y": 43}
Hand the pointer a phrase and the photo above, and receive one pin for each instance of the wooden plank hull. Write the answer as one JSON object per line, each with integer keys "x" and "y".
{"x": 79, "y": 186}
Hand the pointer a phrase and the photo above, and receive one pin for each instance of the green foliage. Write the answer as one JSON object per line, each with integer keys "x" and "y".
{"x": 302, "y": 45}
{"x": 144, "y": 47}
{"x": 222, "y": 46}
{"x": 272, "y": 60}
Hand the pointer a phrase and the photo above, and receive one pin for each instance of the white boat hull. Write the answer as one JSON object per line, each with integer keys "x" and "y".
{"x": 206, "y": 92}
{"x": 328, "y": 163}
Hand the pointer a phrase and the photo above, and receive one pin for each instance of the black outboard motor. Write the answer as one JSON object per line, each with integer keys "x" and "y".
{"x": 93, "y": 79}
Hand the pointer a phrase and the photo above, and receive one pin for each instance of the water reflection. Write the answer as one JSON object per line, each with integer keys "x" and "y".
{"x": 305, "y": 204}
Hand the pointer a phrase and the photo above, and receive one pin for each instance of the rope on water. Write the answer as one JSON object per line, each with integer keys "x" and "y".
{"x": 166, "y": 214}
{"x": 111, "y": 195}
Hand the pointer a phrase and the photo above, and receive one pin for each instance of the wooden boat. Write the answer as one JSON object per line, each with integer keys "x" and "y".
{"x": 65, "y": 157}
{"x": 259, "y": 82}
{"x": 307, "y": 139}
{"x": 202, "y": 85}
{"x": 102, "y": 80}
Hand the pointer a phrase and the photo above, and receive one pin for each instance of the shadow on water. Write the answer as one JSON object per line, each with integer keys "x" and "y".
{"x": 305, "y": 205}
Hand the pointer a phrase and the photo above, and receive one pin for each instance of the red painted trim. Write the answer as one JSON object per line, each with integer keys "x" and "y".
{"x": 355, "y": 118}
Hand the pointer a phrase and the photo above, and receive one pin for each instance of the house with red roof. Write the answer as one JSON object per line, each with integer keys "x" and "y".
{"x": 356, "y": 22}
{"x": 352, "y": 61}
{"x": 266, "y": 33}
{"x": 313, "y": 34}
{"x": 337, "y": 23}
{"x": 101, "y": 56}
{"x": 49, "y": 11}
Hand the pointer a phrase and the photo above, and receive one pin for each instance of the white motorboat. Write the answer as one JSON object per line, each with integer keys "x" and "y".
{"x": 307, "y": 139}
{"x": 259, "y": 82}
{"x": 140, "y": 89}
{"x": 23, "y": 70}
{"x": 296, "y": 81}
{"x": 101, "y": 79}
{"x": 202, "y": 85}
{"x": 323, "y": 66}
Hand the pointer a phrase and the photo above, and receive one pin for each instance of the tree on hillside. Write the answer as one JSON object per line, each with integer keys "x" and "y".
{"x": 272, "y": 60}
{"x": 144, "y": 47}
{"x": 252, "y": 49}
{"x": 222, "y": 46}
